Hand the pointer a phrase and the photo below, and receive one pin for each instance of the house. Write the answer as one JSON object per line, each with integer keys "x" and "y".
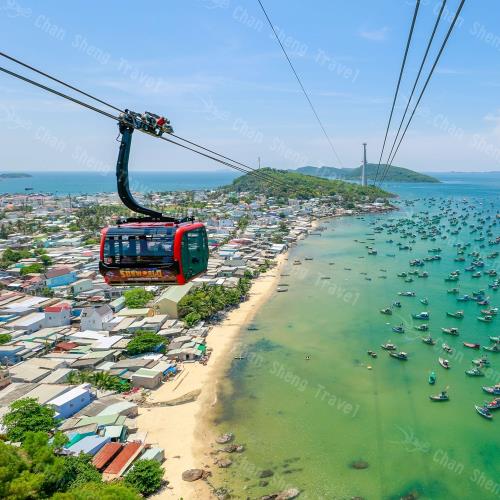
{"x": 29, "y": 323}
{"x": 10, "y": 354}
{"x": 147, "y": 378}
{"x": 58, "y": 315}
{"x": 81, "y": 285}
{"x": 89, "y": 445}
{"x": 72, "y": 401}
{"x": 167, "y": 302}
{"x": 107, "y": 453}
{"x": 59, "y": 276}
{"x": 94, "y": 318}
{"x": 122, "y": 461}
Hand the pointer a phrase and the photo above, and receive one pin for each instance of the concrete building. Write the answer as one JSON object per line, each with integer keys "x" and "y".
{"x": 167, "y": 302}
{"x": 94, "y": 318}
{"x": 58, "y": 315}
{"x": 72, "y": 401}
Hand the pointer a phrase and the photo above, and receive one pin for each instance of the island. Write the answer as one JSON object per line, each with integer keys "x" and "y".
{"x": 394, "y": 174}
{"x": 292, "y": 184}
{"x": 14, "y": 175}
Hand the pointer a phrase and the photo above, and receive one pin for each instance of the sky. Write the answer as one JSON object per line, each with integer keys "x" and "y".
{"x": 215, "y": 70}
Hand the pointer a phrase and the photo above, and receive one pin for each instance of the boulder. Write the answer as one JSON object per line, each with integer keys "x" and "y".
{"x": 266, "y": 473}
{"x": 192, "y": 475}
{"x": 359, "y": 465}
{"x": 225, "y": 438}
{"x": 288, "y": 494}
{"x": 224, "y": 463}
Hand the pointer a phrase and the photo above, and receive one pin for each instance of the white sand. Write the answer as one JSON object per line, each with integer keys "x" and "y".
{"x": 182, "y": 430}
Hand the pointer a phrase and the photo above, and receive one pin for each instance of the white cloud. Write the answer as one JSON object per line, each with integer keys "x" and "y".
{"x": 375, "y": 35}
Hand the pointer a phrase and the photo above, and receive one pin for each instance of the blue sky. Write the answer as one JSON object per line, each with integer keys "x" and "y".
{"x": 214, "y": 69}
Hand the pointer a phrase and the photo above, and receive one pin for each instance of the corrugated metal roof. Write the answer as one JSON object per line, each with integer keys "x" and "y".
{"x": 106, "y": 454}
{"x": 118, "y": 465}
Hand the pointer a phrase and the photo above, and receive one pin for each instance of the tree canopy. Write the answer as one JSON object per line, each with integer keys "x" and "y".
{"x": 146, "y": 476}
{"x": 26, "y": 415}
{"x": 145, "y": 341}
{"x": 137, "y": 298}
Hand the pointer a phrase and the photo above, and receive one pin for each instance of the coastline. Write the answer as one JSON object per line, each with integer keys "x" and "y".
{"x": 185, "y": 430}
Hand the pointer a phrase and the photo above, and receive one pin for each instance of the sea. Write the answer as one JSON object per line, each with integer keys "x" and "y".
{"x": 63, "y": 183}
{"x": 316, "y": 413}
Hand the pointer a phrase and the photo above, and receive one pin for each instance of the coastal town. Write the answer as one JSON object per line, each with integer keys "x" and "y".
{"x": 115, "y": 364}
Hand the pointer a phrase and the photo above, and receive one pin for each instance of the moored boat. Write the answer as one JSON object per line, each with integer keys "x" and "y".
{"x": 442, "y": 396}
{"x": 432, "y": 378}
{"x": 388, "y": 346}
{"x": 472, "y": 345}
{"x": 423, "y": 315}
{"x": 444, "y": 363}
{"x": 386, "y": 311}
{"x": 483, "y": 411}
{"x": 398, "y": 329}
{"x": 474, "y": 372}
{"x": 493, "y": 348}
{"x": 447, "y": 348}
{"x": 493, "y": 405}
{"x": 428, "y": 340}
{"x": 450, "y": 331}
{"x": 495, "y": 390}
{"x": 403, "y": 356}
{"x": 456, "y": 314}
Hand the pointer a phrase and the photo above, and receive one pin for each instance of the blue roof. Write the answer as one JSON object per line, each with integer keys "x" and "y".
{"x": 90, "y": 444}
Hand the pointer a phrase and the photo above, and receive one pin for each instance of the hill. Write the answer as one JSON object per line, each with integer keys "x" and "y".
{"x": 395, "y": 174}
{"x": 297, "y": 185}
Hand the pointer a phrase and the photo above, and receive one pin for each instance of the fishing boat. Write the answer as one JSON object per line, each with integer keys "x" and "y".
{"x": 495, "y": 339}
{"x": 474, "y": 372}
{"x": 456, "y": 315}
{"x": 424, "y": 301}
{"x": 442, "y": 396}
{"x": 485, "y": 319}
{"x": 453, "y": 291}
{"x": 482, "y": 361}
{"x": 432, "y": 378}
{"x": 373, "y": 354}
{"x": 495, "y": 390}
{"x": 428, "y": 340}
{"x": 489, "y": 312}
{"x": 493, "y": 405}
{"x": 396, "y": 304}
{"x": 407, "y": 294}
{"x": 422, "y": 328}
{"x": 464, "y": 298}
{"x": 398, "y": 329}
{"x": 386, "y": 311}
{"x": 472, "y": 345}
{"x": 444, "y": 363}
{"x": 422, "y": 315}
{"x": 450, "y": 331}
{"x": 493, "y": 348}
{"x": 403, "y": 356}
{"x": 484, "y": 412}
{"x": 447, "y": 348}
{"x": 388, "y": 346}
{"x": 402, "y": 275}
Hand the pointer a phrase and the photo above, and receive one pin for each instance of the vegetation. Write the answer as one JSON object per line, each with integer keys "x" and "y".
{"x": 35, "y": 471}
{"x": 99, "y": 379}
{"x": 24, "y": 416}
{"x": 394, "y": 174}
{"x": 205, "y": 301}
{"x": 146, "y": 476}
{"x": 146, "y": 341}
{"x": 300, "y": 186}
{"x": 137, "y": 297}
{"x": 4, "y": 338}
{"x": 11, "y": 256}
{"x": 32, "y": 268}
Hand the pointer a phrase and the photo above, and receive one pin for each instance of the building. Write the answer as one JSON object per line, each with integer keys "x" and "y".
{"x": 94, "y": 318}
{"x": 59, "y": 276}
{"x": 29, "y": 323}
{"x": 167, "y": 302}
{"x": 72, "y": 401}
{"x": 58, "y": 315}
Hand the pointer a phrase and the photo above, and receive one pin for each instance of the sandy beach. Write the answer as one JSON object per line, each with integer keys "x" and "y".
{"x": 184, "y": 430}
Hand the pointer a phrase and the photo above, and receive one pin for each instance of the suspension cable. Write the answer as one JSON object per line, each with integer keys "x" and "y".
{"x": 262, "y": 175}
{"x": 32, "y": 68}
{"x": 301, "y": 85}
{"x": 443, "y": 4}
{"x": 445, "y": 41}
{"x": 408, "y": 42}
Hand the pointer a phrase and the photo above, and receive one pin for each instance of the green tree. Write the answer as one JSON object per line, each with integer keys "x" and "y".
{"x": 32, "y": 268}
{"x": 78, "y": 470}
{"x": 4, "y": 338}
{"x": 46, "y": 260}
{"x": 26, "y": 415}
{"x": 137, "y": 297}
{"x": 46, "y": 292}
{"x": 101, "y": 491}
{"x": 145, "y": 341}
{"x": 146, "y": 476}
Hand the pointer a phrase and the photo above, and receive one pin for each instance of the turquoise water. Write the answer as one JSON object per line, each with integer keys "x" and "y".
{"x": 94, "y": 182}
{"x": 306, "y": 404}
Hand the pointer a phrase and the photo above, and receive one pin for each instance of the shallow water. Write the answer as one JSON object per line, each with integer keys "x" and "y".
{"x": 305, "y": 403}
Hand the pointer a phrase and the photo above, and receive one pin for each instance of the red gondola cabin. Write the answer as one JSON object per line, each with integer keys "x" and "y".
{"x": 153, "y": 253}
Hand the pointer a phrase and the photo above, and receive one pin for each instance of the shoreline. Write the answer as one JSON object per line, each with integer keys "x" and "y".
{"x": 186, "y": 431}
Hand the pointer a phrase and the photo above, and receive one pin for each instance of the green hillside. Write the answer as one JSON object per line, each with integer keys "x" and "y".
{"x": 395, "y": 174}
{"x": 297, "y": 185}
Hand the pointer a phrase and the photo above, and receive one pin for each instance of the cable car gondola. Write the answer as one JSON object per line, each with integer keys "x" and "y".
{"x": 155, "y": 249}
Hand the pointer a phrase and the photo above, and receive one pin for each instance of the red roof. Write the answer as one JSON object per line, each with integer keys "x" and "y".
{"x": 66, "y": 346}
{"x": 128, "y": 452}
{"x": 105, "y": 455}
{"x": 57, "y": 271}
{"x": 57, "y": 308}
